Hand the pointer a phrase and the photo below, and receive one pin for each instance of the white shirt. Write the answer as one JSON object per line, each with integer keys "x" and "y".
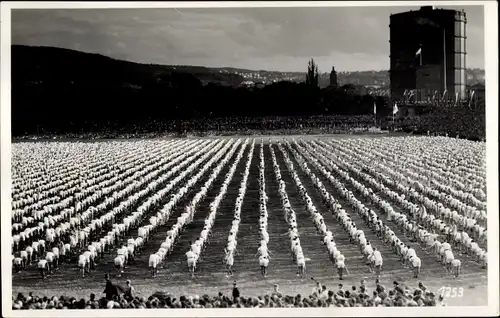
{"x": 416, "y": 261}
{"x": 411, "y": 252}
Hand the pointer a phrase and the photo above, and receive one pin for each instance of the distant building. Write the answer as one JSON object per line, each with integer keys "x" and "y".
{"x": 333, "y": 78}
{"x": 247, "y": 84}
{"x": 439, "y": 36}
{"x": 260, "y": 85}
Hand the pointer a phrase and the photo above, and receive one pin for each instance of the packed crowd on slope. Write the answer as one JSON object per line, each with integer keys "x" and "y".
{"x": 465, "y": 123}
{"x": 461, "y": 122}
{"x": 115, "y": 296}
{"x": 223, "y": 126}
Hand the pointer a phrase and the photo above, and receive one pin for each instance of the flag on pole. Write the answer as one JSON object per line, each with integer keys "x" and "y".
{"x": 419, "y": 55}
{"x": 395, "y": 109}
{"x": 456, "y": 97}
{"x": 410, "y": 94}
{"x": 435, "y": 96}
{"x": 444, "y": 94}
{"x": 374, "y": 108}
{"x": 419, "y": 52}
{"x": 472, "y": 94}
{"x": 470, "y": 98}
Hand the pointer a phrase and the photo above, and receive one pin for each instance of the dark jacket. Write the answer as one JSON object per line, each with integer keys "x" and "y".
{"x": 236, "y": 292}
{"x": 112, "y": 290}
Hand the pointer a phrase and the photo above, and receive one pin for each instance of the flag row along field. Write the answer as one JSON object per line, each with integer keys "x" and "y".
{"x": 193, "y": 215}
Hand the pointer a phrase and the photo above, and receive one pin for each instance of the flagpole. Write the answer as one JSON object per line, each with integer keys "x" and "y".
{"x": 420, "y": 54}
{"x": 444, "y": 59}
{"x": 393, "y": 125}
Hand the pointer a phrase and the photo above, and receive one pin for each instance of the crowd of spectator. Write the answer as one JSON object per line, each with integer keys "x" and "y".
{"x": 218, "y": 127}
{"x": 117, "y": 297}
{"x": 461, "y": 122}
{"x": 464, "y": 122}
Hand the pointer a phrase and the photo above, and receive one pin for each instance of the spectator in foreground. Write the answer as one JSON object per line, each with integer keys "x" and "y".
{"x": 129, "y": 291}
{"x": 236, "y": 292}
{"x": 111, "y": 290}
{"x": 399, "y": 296}
{"x": 276, "y": 291}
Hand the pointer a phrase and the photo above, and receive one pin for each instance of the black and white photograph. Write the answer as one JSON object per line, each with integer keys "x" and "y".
{"x": 231, "y": 159}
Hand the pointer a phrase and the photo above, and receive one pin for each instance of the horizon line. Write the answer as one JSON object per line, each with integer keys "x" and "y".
{"x": 209, "y": 67}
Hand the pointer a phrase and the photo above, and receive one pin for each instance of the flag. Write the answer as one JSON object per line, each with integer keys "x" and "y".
{"x": 470, "y": 98}
{"x": 444, "y": 94}
{"x": 410, "y": 94}
{"x": 375, "y": 108}
{"x": 436, "y": 94}
{"x": 456, "y": 97}
{"x": 419, "y": 52}
{"x": 395, "y": 109}
{"x": 472, "y": 94}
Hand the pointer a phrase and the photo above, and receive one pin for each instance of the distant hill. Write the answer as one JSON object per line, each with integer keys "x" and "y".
{"x": 32, "y": 64}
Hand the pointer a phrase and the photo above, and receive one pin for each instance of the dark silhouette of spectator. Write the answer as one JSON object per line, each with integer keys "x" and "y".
{"x": 347, "y": 298}
{"x": 111, "y": 290}
{"x": 236, "y": 292}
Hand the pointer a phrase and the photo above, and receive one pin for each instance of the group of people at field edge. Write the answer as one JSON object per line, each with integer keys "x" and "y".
{"x": 454, "y": 121}
{"x": 280, "y": 125}
{"x": 117, "y": 297}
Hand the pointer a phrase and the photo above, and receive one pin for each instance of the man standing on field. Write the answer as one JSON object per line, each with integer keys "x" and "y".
{"x": 236, "y": 292}
{"x": 111, "y": 289}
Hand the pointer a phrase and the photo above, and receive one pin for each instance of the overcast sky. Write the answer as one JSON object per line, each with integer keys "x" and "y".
{"x": 284, "y": 39}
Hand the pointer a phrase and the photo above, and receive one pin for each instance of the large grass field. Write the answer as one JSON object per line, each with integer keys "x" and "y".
{"x": 210, "y": 276}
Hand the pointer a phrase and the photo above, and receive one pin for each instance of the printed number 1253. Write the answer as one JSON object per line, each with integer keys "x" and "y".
{"x": 448, "y": 292}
